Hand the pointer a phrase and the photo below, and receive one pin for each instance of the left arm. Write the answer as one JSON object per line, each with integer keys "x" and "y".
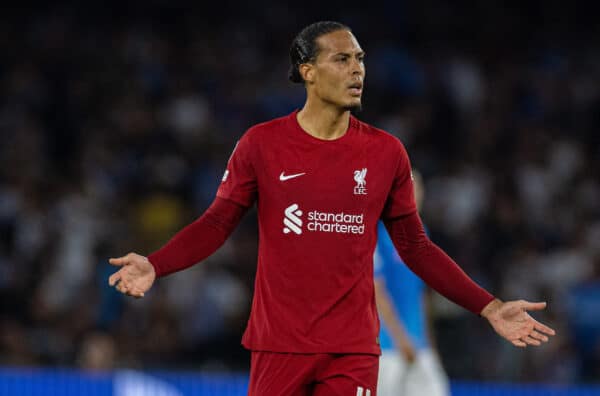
{"x": 434, "y": 266}
{"x": 509, "y": 319}
{"x": 430, "y": 263}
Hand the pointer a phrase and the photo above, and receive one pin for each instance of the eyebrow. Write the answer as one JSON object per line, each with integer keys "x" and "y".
{"x": 348, "y": 54}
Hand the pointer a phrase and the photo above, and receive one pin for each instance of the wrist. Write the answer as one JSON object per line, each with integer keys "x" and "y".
{"x": 152, "y": 261}
{"x": 492, "y": 307}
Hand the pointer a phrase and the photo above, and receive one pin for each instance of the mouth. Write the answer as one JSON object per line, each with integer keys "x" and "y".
{"x": 355, "y": 88}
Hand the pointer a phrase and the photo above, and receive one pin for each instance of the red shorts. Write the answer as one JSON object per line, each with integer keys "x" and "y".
{"x": 292, "y": 374}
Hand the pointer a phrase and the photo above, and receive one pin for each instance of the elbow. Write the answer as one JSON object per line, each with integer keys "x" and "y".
{"x": 413, "y": 249}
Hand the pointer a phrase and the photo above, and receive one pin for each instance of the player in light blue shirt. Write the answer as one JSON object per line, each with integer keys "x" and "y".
{"x": 406, "y": 291}
{"x": 408, "y": 365}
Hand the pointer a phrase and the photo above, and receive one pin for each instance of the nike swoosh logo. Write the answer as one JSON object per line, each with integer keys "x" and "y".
{"x": 284, "y": 177}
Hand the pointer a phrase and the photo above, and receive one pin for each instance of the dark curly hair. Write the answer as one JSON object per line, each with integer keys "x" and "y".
{"x": 304, "y": 47}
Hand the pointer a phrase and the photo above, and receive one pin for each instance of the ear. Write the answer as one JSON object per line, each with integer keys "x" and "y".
{"x": 307, "y": 71}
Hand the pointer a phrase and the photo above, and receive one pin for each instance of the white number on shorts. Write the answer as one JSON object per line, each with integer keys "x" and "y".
{"x": 360, "y": 390}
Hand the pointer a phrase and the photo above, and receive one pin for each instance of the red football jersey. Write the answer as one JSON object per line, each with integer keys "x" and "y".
{"x": 318, "y": 206}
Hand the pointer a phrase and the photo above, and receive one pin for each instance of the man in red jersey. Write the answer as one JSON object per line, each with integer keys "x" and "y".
{"x": 321, "y": 180}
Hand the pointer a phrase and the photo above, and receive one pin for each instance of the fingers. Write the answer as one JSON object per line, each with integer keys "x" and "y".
{"x": 534, "y": 338}
{"x": 532, "y": 306}
{"x": 124, "y": 285}
{"x": 114, "y": 278}
{"x": 128, "y": 289}
{"x": 135, "y": 294}
{"x": 519, "y": 343}
{"x": 530, "y": 341}
{"x": 119, "y": 261}
{"x": 538, "y": 336}
{"x": 543, "y": 328}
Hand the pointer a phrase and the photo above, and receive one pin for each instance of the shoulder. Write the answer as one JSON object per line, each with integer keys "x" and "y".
{"x": 383, "y": 139}
{"x": 252, "y": 142}
{"x": 265, "y": 129}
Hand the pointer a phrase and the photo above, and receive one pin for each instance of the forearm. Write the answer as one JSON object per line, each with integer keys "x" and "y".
{"x": 434, "y": 266}
{"x": 198, "y": 240}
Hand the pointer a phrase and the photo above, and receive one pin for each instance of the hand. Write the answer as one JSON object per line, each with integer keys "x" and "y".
{"x": 511, "y": 321}
{"x": 135, "y": 277}
{"x": 408, "y": 352}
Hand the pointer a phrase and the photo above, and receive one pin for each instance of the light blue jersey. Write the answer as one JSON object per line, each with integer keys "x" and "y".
{"x": 405, "y": 289}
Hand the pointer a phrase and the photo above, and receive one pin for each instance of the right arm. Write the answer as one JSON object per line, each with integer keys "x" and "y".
{"x": 197, "y": 241}
{"x": 189, "y": 246}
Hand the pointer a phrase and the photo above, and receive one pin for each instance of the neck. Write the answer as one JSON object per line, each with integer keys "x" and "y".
{"x": 323, "y": 121}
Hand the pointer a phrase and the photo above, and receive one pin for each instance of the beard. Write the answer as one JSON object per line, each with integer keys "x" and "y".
{"x": 356, "y": 108}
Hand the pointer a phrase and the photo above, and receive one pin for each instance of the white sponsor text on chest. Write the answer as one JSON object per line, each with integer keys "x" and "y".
{"x": 318, "y": 221}
{"x": 336, "y": 222}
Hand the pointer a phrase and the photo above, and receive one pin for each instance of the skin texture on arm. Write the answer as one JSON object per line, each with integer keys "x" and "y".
{"x": 392, "y": 321}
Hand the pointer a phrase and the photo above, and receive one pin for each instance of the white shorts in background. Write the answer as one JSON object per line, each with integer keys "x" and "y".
{"x": 425, "y": 377}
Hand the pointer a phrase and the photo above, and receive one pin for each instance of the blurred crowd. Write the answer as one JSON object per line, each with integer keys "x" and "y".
{"x": 116, "y": 122}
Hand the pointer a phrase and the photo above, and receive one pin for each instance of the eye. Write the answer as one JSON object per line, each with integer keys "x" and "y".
{"x": 342, "y": 59}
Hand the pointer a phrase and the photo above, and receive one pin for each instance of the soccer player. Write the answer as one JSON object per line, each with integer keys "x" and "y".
{"x": 321, "y": 180}
{"x": 408, "y": 366}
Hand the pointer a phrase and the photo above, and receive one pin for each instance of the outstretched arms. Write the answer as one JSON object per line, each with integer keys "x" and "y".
{"x": 200, "y": 239}
{"x": 509, "y": 319}
{"x": 191, "y": 245}
{"x": 434, "y": 266}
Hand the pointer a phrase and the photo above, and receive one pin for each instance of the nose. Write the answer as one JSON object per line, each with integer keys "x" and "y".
{"x": 358, "y": 68}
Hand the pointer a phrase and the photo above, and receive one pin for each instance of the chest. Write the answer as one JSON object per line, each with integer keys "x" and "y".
{"x": 342, "y": 176}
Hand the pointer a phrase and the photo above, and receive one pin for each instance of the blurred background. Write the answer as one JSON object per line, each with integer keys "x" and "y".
{"x": 117, "y": 119}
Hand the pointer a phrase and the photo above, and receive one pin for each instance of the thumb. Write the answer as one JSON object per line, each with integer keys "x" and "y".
{"x": 119, "y": 261}
{"x": 533, "y": 306}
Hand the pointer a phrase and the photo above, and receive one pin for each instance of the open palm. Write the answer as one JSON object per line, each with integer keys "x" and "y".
{"x": 511, "y": 321}
{"x": 135, "y": 277}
